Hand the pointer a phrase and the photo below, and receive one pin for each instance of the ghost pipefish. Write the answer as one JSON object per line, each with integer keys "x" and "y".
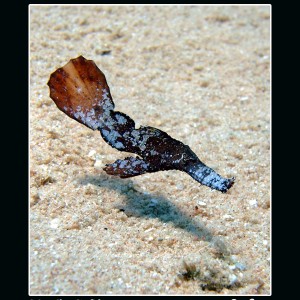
{"x": 80, "y": 90}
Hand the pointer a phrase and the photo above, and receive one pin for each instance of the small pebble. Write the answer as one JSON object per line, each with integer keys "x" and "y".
{"x": 201, "y": 203}
{"x": 92, "y": 153}
{"x": 244, "y": 98}
{"x": 180, "y": 187}
{"x": 54, "y": 223}
{"x": 228, "y": 217}
{"x": 232, "y": 279}
{"x": 253, "y": 203}
{"x": 98, "y": 164}
{"x": 153, "y": 202}
{"x": 240, "y": 266}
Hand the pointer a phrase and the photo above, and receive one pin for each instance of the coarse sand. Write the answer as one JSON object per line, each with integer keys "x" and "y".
{"x": 199, "y": 73}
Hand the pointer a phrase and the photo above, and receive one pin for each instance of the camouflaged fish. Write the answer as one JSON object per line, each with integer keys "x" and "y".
{"x": 80, "y": 90}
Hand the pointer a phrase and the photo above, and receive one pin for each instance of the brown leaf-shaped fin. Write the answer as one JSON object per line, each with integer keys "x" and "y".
{"x": 128, "y": 167}
{"x": 80, "y": 90}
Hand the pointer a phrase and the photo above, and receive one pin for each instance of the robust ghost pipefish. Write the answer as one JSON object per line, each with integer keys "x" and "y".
{"x": 80, "y": 90}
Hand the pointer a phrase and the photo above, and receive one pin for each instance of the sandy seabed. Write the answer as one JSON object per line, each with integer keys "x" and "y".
{"x": 200, "y": 73}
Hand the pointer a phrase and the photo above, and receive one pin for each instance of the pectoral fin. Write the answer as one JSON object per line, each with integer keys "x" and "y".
{"x": 128, "y": 167}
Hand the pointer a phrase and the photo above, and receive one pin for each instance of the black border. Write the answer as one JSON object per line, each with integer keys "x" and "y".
{"x": 21, "y": 57}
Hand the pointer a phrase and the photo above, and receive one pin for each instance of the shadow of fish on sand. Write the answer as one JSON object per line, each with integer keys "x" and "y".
{"x": 147, "y": 205}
